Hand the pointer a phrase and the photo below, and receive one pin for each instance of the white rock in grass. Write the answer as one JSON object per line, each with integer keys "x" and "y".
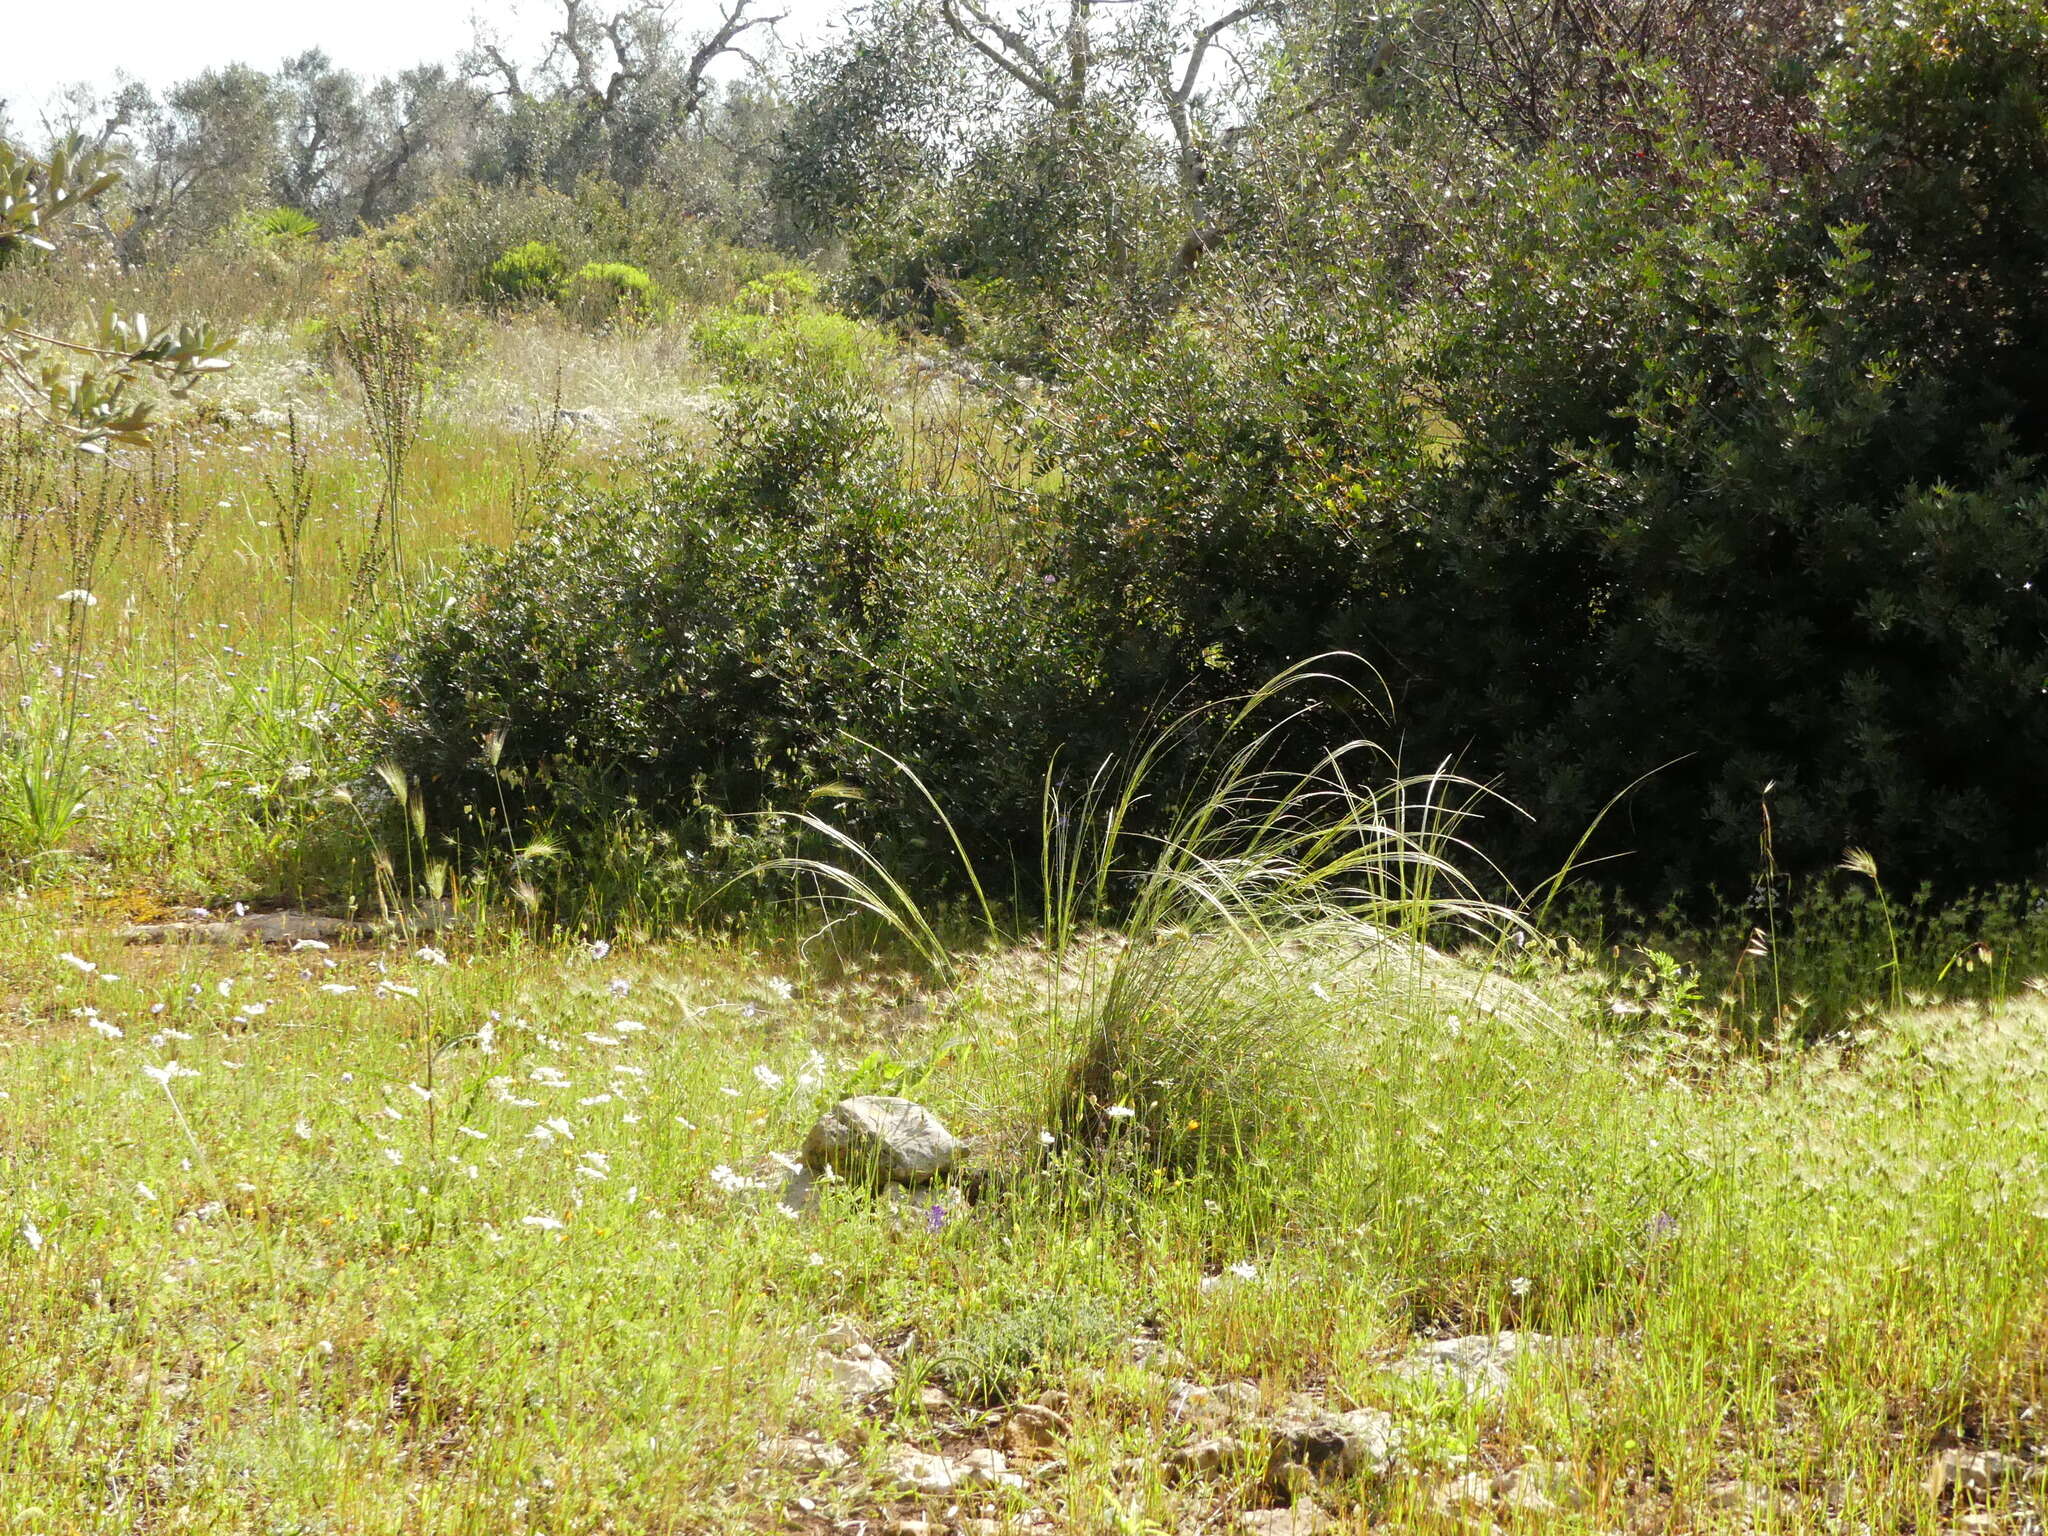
{"x": 876, "y": 1139}
{"x": 1302, "y": 1519}
{"x": 927, "y": 1472}
{"x": 1213, "y": 1407}
{"x": 858, "y": 1373}
{"x": 806, "y": 1453}
{"x": 1312, "y": 1446}
{"x": 1964, "y": 1471}
{"x": 1481, "y": 1364}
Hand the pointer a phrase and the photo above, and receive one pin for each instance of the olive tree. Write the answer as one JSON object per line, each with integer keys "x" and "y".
{"x": 95, "y": 391}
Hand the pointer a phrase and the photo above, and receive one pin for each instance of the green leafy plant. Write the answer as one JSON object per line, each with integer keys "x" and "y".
{"x": 604, "y": 291}
{"x": 101, "y": 399}
{"x": 532, "y": 273}
{"x": 283, "y": 226}
{"x": 999, "y": 1355}
{"x": 750, "y": 347}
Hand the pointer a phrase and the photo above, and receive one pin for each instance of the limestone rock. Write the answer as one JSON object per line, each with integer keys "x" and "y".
{"x": 1479, "y": 1364}
{"x": 1959, "y": 1471}
{"x": 1215, "y": 1406}
{"x": 1303, "y": 1519}
{"x": 1205, "y": 1458}
{"x": 806, "y": 1453}
{"x": 877, "y": 1140}
{"x": 932, "y": 1474}
{"x": 1308, "y": 1447}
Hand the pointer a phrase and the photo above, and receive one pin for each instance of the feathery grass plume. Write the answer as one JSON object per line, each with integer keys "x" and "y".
{"x": 1862, "y": 862}
{"x": 1207, "y": 956}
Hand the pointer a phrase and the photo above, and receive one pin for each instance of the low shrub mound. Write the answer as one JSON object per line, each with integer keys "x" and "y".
{"x": 724, "y": 637}
{"x": 532, "y": 273}
{"x": 604, "y": 291}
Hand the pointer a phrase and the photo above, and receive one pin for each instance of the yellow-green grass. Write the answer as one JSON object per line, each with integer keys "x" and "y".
{"x": 284, "y": 1288}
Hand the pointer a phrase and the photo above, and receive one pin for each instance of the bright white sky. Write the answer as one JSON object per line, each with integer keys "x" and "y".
{"x": 51, "y": 45}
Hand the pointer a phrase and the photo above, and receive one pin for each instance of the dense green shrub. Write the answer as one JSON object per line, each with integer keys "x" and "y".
{"x": 282, "y": 225}
{"x": 532, "y": 273}
{"x": 744, "y": 346}
{"x": 604, "y": 291}
{"x": 1622, "y": 475}
{"x": 773, "y": 292}
{"x": 712, "y": 640}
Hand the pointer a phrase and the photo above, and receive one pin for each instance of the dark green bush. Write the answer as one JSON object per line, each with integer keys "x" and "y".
{"x": 712, "y": 641}
{"x": 1623, "y": 475}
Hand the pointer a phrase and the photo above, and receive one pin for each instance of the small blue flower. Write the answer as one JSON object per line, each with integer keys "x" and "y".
{"x": 935, "y": 1218}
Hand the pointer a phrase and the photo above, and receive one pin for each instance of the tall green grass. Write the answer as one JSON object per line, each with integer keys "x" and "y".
{"x": 1207, "y": 948}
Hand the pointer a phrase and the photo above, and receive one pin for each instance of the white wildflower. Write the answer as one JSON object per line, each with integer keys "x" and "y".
{"x": 723, "y": 1178}
{"x": 78, "y": 962}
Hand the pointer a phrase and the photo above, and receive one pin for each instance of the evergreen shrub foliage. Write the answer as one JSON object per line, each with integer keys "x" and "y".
{"x": 1685, "y": 474}
{"x": 723, "y": 637}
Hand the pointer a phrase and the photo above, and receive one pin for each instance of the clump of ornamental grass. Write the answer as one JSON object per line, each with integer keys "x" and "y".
{"x": 1211, "y": 955}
